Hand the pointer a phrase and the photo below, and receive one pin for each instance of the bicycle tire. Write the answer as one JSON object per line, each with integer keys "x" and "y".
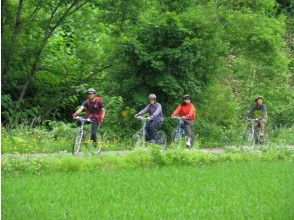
{"x": 139, "y": 140}
{"x": 249, "y": 137}
{"x": 176, "y": 136}
{"x": 162, "y": 140}
{"x": 98, "y": 147}
{"x": 77, "y": 143}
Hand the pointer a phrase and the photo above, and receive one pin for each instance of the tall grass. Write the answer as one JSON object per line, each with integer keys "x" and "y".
{"x": 244, "y": 190}
{"x": 153, "y": 157}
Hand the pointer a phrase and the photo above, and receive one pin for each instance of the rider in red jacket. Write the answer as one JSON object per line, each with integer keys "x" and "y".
{"x": 187, "y": 111}
{"x": 96, "y": 112}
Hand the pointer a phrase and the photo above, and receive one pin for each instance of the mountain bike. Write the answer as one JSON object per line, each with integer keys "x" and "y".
{"x": 253, "y": 134}
{"x": 140, "y": 136}
{"x": 179, "y": 135}
{"x": 82, "y": 143}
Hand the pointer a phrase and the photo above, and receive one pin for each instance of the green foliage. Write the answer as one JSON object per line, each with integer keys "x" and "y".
{"x": 153, "y": 157}
{"x": 14, "y": 113}
{"x": 223, "y": 53}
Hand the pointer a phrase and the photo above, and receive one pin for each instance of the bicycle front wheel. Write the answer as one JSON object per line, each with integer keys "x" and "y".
{"x": 249, "y": 137}
{"x": 77, "y": 143}
{"x": 139, "y": 140}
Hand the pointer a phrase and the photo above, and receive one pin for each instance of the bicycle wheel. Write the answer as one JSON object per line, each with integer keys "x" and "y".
{"x": 98, "y": 147}
{"x": 162, "y": 139}
{"x": 139, "y": 140}
{"x": 176, "y": 136}
{"x": 249, "y": 137}
{"x": 77, "y": 142}
{"x": 89, "y": 147}
{"x": 261, "y": 139}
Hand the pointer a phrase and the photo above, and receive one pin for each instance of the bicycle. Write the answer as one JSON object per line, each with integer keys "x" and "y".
{"x": 80, "y": 140}
{"x": 252, "y": 134}
{"x": 140, "y": 136}
{"x": 179, "y": 135}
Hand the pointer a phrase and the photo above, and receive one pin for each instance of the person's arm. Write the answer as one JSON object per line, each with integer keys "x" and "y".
{"x": 102, "y": 110}
{"x": 249, "y": 115}
{"x": 143, "y": 111}
{"x": 102, "y": 113}
{"x": 157, "y": 112}
{"x": 176, "y": 112}
{"x": 78, "y": 111}
{"x": 191, "y": 112}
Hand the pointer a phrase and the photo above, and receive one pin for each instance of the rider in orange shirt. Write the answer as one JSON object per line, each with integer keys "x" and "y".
{"x": 187, "y": 111}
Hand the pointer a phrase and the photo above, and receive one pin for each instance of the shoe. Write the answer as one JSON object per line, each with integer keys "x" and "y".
{"x": 188, "y": 143}
{"x": 153, "y": 141}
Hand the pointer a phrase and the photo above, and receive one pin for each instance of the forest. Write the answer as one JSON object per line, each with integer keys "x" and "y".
{"x": 222, "y": 52}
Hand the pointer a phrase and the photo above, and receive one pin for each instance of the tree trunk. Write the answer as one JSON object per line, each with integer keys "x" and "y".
{"x": 47, "y": 34}
{"x": 16, "y": 30}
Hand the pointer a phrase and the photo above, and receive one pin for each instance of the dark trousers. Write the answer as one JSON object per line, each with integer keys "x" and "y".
{"x": 189, "y": 130}
{"x": 152, "y": 130}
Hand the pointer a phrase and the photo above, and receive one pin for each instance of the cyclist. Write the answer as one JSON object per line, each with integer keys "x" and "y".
{"x": 259, "y": 111}
{"x": 155, "y": 118}
{"x": 187, "y": 111}
{"x": 96, "y": 112}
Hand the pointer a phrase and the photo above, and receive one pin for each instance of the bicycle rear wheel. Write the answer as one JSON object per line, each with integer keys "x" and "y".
{"x": 162, "y": 139}
{"x": 98, "y": 145}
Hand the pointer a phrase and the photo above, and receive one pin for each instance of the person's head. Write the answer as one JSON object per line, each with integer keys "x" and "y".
{"x": 152, "y": 98}
{"x": 186, "y": 98}
{"x": 259, "y": 100}
{"x": 91, "y": 93}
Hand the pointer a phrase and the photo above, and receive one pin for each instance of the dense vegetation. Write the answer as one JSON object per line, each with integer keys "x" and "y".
{"x": 222, "y": 52}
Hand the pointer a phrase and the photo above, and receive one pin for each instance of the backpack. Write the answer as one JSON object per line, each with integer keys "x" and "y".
{"x": 97, "y": 99}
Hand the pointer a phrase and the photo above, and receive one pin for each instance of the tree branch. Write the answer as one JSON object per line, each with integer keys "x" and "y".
{"x": 32, "y": 16}
{"x": 48, "y": 33}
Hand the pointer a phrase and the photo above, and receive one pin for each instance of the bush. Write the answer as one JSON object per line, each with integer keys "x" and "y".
{"x": 153, "y": 157}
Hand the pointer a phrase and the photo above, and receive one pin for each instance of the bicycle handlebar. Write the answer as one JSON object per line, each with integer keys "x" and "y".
{"x": 178, "y": 117}
{"x": 142, "y": 118}
{"x": 83, "y": 119}
{"x": 251, "y": 119}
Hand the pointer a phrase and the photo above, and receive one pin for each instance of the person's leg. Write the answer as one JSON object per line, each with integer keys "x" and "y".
{"x": 262, "y": 125}
{"x": 190, "y": 133}
{"x": 148, "y": 131}
{"x": 94, "y": 130}
{"x": 154, "y": 130}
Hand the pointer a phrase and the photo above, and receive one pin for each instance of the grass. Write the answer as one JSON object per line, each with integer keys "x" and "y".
{"x": 151, "y": 157}
{"x": 46, "y": 142}
{"x": 227, "y": 190}
{"x": 60, "y": 139}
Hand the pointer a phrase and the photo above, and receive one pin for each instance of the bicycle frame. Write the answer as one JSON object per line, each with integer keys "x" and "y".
{"x": 82, "y": 120}
{"x": 140, "y": 136}
{"x": 252, "y": 127}
{"x": 144, "y": 121}
{"x": 180, "y": 130}
{"x": 253, "y": 124}
{"x": 181, "y": 127}
{"x": 80, "y": 131}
